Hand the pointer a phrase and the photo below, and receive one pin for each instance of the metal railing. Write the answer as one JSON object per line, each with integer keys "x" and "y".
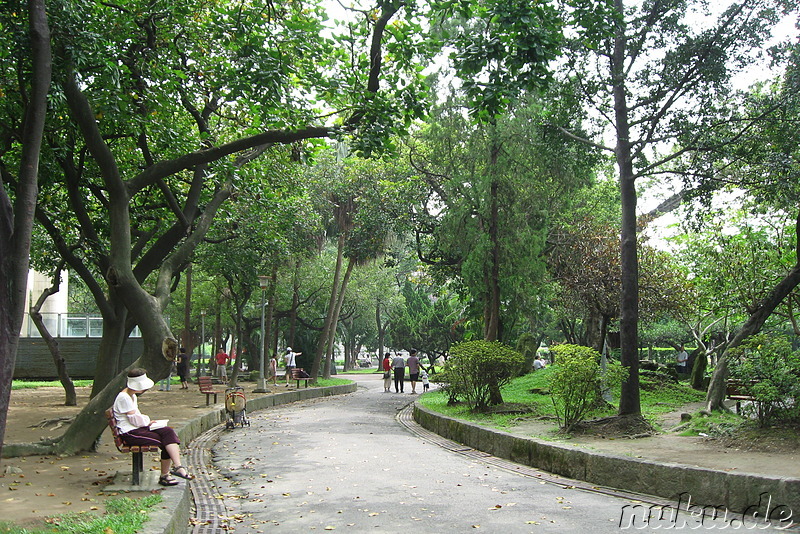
{"x": 68, "y": 325}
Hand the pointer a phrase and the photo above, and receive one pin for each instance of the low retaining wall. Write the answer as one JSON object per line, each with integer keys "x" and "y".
{"x": 736, "y": 492}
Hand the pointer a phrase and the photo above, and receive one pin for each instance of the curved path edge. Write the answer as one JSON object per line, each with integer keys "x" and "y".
{"x": 173, "y": 515}
{"x": 733, "y": 491}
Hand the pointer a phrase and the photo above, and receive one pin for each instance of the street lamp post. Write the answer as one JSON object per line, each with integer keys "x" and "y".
{"x": 263, "y": 281}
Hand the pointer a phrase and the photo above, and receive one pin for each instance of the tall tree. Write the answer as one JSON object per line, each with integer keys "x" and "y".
{"x": 29, "y": 66}
{"x": 492, "y": 189}
{"x": 156, "y": 121}
{"x": 659, "y": 77}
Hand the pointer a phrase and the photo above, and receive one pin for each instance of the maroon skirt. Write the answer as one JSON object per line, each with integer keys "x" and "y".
{"x": 145, "y": 436}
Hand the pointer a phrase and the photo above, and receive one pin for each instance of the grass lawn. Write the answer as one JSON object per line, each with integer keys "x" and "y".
{"x": 530, "y": 392}
{"x": 123, "y": 516}
{"x": 32, "y": 384}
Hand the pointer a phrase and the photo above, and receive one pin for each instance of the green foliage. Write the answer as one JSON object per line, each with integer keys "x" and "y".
{"x": 33, "y": 384}
{"x": 502, "y": 48}
{"x": 577, "y": 381}
{"x": 768, "y": 369}
{"x": 474, "y": 368}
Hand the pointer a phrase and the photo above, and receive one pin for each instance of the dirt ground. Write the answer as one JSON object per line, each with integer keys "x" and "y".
{"x": 34, "y": 488}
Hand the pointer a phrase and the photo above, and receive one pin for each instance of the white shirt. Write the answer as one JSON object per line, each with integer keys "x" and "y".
{"x": 123, "y": 404}
{"x": 290, "y": 359}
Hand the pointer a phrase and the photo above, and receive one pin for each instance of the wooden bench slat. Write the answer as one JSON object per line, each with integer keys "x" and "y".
{"x": 207, "y": 387}
{"x": 296, "y": 376}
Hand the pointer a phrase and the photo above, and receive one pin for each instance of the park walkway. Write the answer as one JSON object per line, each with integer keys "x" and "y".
{"x": 357, "y": 462}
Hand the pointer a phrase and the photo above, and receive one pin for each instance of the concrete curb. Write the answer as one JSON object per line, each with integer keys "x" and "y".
{"x": 173, "y": 515}
{"x": 733, "y": 491}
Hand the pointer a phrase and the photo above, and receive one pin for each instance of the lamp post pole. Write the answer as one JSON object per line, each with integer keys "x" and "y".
{"x": 202, "y": 342}
{"x": 262, "y": 381}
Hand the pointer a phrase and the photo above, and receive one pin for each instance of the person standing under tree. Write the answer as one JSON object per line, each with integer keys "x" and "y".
{"x": 273, "y": 370}
{"x": 413, "y": 370}
{"x": 682, "y": 360}
{"x": 387, "y": 373}
{"x": 399, "y": 367}
{"x": 183, "y": 368}
{"x": 222, "y": 359}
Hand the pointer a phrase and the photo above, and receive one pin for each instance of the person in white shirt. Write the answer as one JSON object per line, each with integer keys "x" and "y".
{"x": 538, "y": 363}
{"x": 682, "y": 361}
{"x": 137, "y": 429}
{"x": 290, "y": 360}
{"x": 423, "y": 375}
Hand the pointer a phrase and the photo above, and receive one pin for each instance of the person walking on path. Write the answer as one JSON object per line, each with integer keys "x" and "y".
{"x": 273, "y": 370}
{"x": 413, "y": 370}
{"x": 183, "y": 368}
{"x": 138, "y": 429}
{"x": 423, "y": 375}
{"x": 399, "y": 367}
{"x": 387, "y": 373}
{"x": 222, "y": 359}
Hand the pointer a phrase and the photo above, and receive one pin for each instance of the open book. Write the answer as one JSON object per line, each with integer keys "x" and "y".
{"x": 158, "y": 423}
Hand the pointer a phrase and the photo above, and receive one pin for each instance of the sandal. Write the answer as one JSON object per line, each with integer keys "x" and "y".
{"x": 179, "y": 471}
{"x": 166, "y": 480}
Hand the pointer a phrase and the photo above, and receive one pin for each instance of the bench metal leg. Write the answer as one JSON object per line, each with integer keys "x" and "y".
{"x": 137, "y": 466}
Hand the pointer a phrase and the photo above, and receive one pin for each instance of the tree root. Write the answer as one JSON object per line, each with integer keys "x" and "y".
{"x": 54, "y": 423}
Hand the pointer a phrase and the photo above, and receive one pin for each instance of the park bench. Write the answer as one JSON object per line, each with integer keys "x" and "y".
{"x": 207, "y": 387}
{"x": 298, "y": 374}
{"x": 736, "y": 390}
{"x": 137, "y": 451}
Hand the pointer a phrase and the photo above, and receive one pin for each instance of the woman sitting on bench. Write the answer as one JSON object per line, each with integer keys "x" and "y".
{"x": 137, "y": 429}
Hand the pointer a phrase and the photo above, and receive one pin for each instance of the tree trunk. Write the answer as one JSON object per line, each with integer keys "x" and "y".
{"x": 70, "y": 397}
{"x": 115, "y": 334}
{"x": 335, "y": 320}
{"x": 491, "y": 331}
{"x": 629, "y": 403}
{"x": 322, "y": 342}
{"x": 380, "y": 329}
{"x": 699, "y": 369}
{"x": 295, "y": 305}
{"x": 186, "y": 338}
{"x": 16, "y": 223}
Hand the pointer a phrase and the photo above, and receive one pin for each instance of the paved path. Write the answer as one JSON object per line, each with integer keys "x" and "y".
{"x": 346, "y": 463}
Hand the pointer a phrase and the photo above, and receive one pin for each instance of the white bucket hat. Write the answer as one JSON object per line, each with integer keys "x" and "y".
{"x": 288, "y": 349}
{"x": 139, "y": 383}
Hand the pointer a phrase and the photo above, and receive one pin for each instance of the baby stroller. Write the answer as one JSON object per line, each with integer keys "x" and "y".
{"x": 235, "y": 407}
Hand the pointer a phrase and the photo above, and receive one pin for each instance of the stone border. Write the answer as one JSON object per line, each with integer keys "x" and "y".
{"x": 733, "y": 491}
{"x": 172, "y": 516}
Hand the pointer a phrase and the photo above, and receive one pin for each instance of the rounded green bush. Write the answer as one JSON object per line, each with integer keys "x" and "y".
{"x": 577, "y": 381}
{"x": 476, "y": 370}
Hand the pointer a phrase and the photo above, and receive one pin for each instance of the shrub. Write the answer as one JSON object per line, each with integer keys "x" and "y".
{"x": 577, "y": 381}
{"x": 476, "y": 370}
{"x": 769, "y": 370}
